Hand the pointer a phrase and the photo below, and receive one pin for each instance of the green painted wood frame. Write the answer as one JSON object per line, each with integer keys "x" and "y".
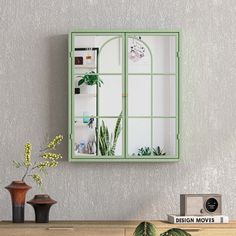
{"x": 125, "y": 34}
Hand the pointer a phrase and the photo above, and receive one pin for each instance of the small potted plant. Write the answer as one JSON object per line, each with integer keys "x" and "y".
{"x": 88, "y": 81}
{"x": 149, "y": 229}
{"x": 32, "y": 169}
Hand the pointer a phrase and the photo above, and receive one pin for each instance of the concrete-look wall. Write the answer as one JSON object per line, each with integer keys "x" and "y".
{"x": 33, "y": 95}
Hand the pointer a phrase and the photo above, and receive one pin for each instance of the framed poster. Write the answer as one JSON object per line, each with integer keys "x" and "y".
{"x": 86, "y": 58}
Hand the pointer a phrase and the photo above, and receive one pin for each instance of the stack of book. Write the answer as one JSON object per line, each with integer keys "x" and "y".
{"x": 207, "y": 219}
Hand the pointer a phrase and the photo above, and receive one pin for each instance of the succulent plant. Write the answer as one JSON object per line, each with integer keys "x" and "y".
{"x": 147, "y": 151}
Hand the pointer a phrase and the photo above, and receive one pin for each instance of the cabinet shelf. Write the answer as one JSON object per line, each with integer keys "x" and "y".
{"x": 86, "y": 95}
{"x": 79, "y": 124}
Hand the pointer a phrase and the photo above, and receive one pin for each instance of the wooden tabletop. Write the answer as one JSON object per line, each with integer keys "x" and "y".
{"x": 112, "y": 224}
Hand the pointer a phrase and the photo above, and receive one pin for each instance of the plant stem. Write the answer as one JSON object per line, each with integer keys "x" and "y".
{"x": 26, "y": 173}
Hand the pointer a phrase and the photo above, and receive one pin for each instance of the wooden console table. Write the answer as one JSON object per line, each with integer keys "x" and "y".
{"x": 108, "y": 228}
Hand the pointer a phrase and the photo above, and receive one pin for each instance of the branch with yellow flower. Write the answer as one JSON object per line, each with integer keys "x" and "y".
{"x": 49, "y": 159}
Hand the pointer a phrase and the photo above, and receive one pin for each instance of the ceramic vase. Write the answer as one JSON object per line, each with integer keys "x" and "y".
{"x": 41, "y": 204}
{"x": 18, "y": 190}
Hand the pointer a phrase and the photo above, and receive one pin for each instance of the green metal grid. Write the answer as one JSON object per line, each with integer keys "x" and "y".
{"x": 125, "y": 157}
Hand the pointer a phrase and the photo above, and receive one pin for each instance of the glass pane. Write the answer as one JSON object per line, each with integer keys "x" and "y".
{"x": 85, "y": 137}
{"x": 164, "y": 96}
{"x": 163, "y": 49}
{"x": 139, "y": 135}
{"x": 139, "y": 95}
{"x": 85, "y": 101}
{"x": 164, "y": 136}
{"x": 111, "y": 144}
{"x": 110, "y": 95}
{"x": 98, "y": 53}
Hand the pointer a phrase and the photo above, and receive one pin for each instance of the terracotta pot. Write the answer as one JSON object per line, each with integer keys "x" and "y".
{"x": 18, "y": 190}
{"x": 41, "y": 204}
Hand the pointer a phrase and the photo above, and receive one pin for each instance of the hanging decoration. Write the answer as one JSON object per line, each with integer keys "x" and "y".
{"x": 136, "y": 50}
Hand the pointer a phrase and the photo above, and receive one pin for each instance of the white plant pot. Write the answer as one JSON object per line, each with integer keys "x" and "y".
{"x": 87, "y": 89}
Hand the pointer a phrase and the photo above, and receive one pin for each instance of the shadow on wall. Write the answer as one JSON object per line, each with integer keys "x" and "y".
{"x": 58, "y": 89}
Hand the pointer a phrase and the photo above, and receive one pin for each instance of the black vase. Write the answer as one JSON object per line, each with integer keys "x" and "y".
{"x": 41, "y": 204}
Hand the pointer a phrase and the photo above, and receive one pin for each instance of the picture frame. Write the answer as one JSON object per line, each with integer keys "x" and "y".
{"x": 86, "y": 58}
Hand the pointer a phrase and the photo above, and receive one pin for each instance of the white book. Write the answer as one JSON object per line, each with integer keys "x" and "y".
{"x": 217, "y": 219}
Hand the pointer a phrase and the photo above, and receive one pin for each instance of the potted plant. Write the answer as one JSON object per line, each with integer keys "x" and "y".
{"x": 32, "y": 169}
{"x": 147, "y": 151}
{"x": 107, "y": 141}
{"x": 149, "y": 229}
{"x": 88, "y": 80}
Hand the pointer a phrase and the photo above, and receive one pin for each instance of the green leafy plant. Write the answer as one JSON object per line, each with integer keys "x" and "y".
{"x": 48, "y": 159}
{"x": 145, "y": 229}
{"x": 147, "y": 151}
{"x": 91, "y": 78}
{"x": 175, "y": 232}
{"x": 107, "y": 141}
{"x": 149, "y": 229}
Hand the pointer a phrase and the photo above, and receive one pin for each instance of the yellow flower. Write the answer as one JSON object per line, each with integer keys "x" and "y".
{"x": 27, "y": 154}
{"x": 51, "y": 156}
{"x": 55, "y": 141}
{"x": 38, "y": 179}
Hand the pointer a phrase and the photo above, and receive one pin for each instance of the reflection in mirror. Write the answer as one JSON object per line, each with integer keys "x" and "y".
{"x": 98, "y": 88}
{"x": 85, "y": 136}
{"x": 139, "y": 95}
{"x": 164, "y": 103}
{"x": 139, "y": 135}
{"x": 162, "y": 48}
{"x": 102, "y": 53}
{"x": 110, "y": 95}
{"x": 164, "y": 135}
{"x": 110, "y": 136}
{"x": 141, "y": 84}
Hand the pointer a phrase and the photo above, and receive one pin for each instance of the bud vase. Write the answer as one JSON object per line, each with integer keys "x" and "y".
{"x": 41, "y": 204}
{"x": 18, "y": 190}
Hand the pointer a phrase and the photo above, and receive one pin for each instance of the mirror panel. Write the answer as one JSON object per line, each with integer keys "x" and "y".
{"x": 85, "y": 137}
{"x": 139, "y": 95}
{"x": 110, "y": 95}
{"x": 141, "y": 84}
{"x": 164, "y": 135}
{"x": 162, "y": 48}
{"x": 110, "y": 124}
{"x": 139, "y": 135}
{"x": 164, "y": 94}
{"x": 109, "y": 56}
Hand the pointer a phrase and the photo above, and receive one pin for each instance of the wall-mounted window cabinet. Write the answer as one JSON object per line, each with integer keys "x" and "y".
{"x": 124, "y": 96}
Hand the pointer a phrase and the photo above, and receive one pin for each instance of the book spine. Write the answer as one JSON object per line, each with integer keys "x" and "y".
{"x": 198, "y": 220}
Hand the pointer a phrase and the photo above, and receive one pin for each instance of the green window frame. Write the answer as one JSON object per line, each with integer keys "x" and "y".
{"x": 124, "y": 35}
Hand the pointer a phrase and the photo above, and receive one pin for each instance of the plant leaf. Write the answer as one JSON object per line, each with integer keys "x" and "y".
{"x": 175, "y": 232}
{"x": 81, "y": 82}
{"x": 145, "y": 229}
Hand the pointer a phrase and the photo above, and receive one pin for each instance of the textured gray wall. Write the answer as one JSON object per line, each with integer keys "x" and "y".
{"x": 33, "y": 95}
